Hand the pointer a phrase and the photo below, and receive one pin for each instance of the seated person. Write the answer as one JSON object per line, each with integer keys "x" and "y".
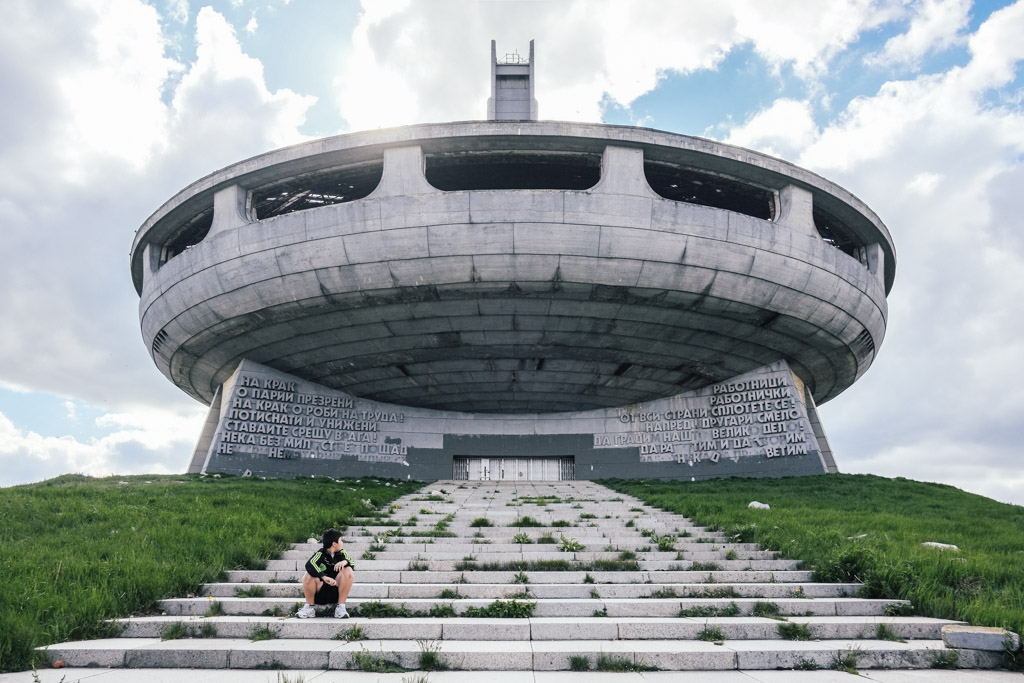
{"x": 328, "y": 579}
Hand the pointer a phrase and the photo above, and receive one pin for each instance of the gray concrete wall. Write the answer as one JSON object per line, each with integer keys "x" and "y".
{"x": 272, "y": 424}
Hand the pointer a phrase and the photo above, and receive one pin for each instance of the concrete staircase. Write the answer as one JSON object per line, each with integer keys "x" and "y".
{"x": 627, "y": 587}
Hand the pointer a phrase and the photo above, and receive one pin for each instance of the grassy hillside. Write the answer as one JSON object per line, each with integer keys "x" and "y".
{"x": 870, "y": 529}
{"x": 75, "y": 551}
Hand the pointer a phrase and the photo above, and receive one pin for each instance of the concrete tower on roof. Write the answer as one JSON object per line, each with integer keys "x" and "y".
{"x": 511, "y": 87}
{"x": 513, "y": 299}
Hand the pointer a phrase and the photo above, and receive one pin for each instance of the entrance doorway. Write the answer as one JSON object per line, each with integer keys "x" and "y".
{"x": 561, "y": 468}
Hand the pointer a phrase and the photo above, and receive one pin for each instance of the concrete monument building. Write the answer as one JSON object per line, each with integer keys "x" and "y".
{"x": 513, "y": 299}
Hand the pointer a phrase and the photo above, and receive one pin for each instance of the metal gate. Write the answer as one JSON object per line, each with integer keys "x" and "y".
{"x": 560, "y": 468}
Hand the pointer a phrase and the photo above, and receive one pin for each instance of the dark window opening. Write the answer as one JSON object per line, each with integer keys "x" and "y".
{"x": 191, "y": 233}
{"x": 513, "y": 171}
{"x": 706, "y": 189}
{"x": 324, "y": 188}
{"x": 835, "y": 233}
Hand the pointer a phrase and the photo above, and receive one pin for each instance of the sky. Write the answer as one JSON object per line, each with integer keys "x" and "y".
{"x": 109, "y": 107}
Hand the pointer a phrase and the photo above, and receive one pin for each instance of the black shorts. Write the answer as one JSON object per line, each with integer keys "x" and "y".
{"x": 327, "y": 595}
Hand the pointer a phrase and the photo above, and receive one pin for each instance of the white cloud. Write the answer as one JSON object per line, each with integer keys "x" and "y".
{"x": 252, "y": 26}
{"x": 114, "y": 103}
{"x": 784, "y": 129}
{"x": 936, "y": 25}
{"x": 222, "y": 104}
{"x": 428, "y": 61}
{"x": 178, "y": 10}
{"x": 996, "y": 49}
{"x": 86, "y": 156}
{"x": 924, "y": 183}
{"x": 141, "y": 442}
{"x": 932, "y": 157}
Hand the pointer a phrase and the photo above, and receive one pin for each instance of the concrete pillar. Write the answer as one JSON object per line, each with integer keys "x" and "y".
{"x": 403, "y": 173}
{"x": 874, "y": 259}
{"x": 150, "y": 261}
{"x": 796, "y": 210}
{"x": 230, "y": 209}
{"x": 622, "y": 172}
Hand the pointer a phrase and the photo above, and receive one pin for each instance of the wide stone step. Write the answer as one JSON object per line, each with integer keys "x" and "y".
{"x": 779, "y": 568}
{"x": 539, "y": 655}
{"x": 552, "y": 590}
{"x": 586, "y": 607}
{"x": 627, "y": 541}
{"x": 460, "y": 563}
{"x": 473, "y": 546}
{"x": 539, "y": 628}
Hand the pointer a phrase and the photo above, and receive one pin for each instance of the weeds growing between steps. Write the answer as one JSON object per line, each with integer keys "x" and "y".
{"x": 75, "y": 551}
{"x": 870, "y": 529}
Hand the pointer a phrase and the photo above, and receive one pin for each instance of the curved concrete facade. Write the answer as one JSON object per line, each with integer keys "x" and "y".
{"x": 513, "y": 300}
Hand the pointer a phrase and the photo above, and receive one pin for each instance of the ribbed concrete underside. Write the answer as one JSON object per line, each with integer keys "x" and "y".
{"x": 514, "y": 317}
{"x": 700, "y": 606}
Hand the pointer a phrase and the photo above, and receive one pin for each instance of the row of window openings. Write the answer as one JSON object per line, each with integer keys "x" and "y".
{"x": 682, "y": 185}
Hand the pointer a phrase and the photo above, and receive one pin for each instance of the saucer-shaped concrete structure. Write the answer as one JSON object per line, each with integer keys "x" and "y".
{"x": 513, "y": 267}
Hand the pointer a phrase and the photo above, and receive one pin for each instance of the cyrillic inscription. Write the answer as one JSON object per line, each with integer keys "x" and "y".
{"x": 271, "y": 417}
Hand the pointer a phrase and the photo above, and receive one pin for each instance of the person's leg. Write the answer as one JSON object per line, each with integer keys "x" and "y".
{"x": 345, "y": 579}
{"x": 310, "y": 585}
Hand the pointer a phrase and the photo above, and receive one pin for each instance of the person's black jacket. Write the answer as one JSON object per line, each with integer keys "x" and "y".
{"x": 322, "y": 562}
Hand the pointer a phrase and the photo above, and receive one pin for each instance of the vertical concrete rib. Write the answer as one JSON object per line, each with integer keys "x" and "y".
{"x": 622, "y": 172}
{"x": 230, "y": 209}
{"x": 403, "y": 174}
{"x": 796, "y": 210}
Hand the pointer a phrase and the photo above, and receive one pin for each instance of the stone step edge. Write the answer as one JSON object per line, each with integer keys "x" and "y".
{"x": 568, "y": 607}
{"x": 640, "y": 576}
{"x": 537, "y": 628}
{"x": 504, "y": 655}
{"x": 803, "y": 586}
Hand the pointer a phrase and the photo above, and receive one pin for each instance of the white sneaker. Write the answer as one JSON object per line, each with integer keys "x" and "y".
{"x": 306, "y": 612}
{"x": 340, "y": 612}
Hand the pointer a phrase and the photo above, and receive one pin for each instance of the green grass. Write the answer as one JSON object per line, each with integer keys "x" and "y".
{"x": 526, "y": 520}
{"x": 821, "y": 520}
{"x": 364, "y": 660}
{"x": 113, "y": 550}
{"x": 502, "y": 609}
{"x": 711, "y": 634}
{"x": 769, "y": 610}
{"x": 260, "y": 632}
{"x": 579, "y": 663}
{"x": 606, "y": 662}
{"x": 794, "y": 631}
{"x": 731, "y": 610}
{"x": 548, "y": 566}
{"x": 430, "y": 656}
{"x": 351, "y": 634}
{"x": 886, "y": 632}
{"x": 571, "y": 545}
